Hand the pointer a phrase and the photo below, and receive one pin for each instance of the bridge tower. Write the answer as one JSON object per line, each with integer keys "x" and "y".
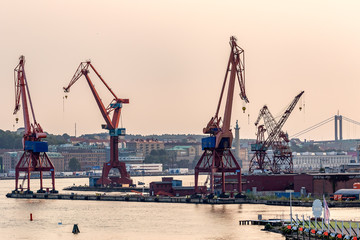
{"x": 338, "y": 127}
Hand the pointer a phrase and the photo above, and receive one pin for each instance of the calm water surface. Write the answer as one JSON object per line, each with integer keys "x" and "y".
{"x": 135, "y": 220}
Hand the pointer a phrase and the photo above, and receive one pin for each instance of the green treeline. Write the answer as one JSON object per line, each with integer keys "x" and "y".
{"x": 12, "y": 140}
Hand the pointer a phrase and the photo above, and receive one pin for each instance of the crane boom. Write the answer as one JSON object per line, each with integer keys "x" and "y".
{"x": 116, "y": 103}
{"x": 22, "y": 92}
{"x": 269, "y": 120}
{"x": 276, "y": 131}
{"x": 83, "y": 67}
{"x": 236, "y": 60}
{"x": 236, "y": 67}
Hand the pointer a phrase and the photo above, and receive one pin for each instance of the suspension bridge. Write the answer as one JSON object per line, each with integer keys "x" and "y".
{"x": 338, "y": 126}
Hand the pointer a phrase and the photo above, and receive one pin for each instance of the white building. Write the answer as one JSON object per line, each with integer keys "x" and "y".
{"x": 178, "y": 170}
{"x": 307, "y": 162}
{"x": 131, "y": 159}
{"x": 144, "y": 168}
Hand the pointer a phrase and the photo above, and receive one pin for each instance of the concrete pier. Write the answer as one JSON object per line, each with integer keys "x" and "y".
{"x": 165, "y": 199}
{"x": 107, "y": 189}
{"x": 129, "y": 198}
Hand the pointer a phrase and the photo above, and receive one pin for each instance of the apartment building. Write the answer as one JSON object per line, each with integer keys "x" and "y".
{"x": 145, "y": 146}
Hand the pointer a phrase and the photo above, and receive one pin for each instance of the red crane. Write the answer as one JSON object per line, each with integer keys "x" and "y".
{"x": 111, "y": 124}
{"x": 277, "y": 140}
{"x": 34, "y": 158}
{"x": 217, "y": 156}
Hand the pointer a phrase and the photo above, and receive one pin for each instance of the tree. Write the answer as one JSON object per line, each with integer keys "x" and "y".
{"x": 167, "y": 158}
{"x": 156, "y": 156}
{"x": 10, "y": 140}
{"x": 74, "y": 165}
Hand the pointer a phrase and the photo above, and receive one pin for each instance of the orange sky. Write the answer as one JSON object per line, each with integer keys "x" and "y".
{"x": 169, "y": 59}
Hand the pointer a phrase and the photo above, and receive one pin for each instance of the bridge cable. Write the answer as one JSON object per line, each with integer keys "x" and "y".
{"x": 312, "y": 127}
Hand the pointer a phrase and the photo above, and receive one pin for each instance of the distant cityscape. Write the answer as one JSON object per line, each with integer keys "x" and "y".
{"x": 175, "y": 154}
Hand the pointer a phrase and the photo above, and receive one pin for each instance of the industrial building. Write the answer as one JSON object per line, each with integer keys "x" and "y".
{"x": 170, "y": 187}
{"x": 318, "y": 184}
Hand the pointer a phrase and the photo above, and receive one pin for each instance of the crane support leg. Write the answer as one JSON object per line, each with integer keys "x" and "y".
{"x": 114, "y": 163}
{"x": 16, "y": 180}
{"x": 212, "y": 179}
{"x": 215, "y": 162}
{"x": 34, "y": 162}
{"x": 124, "y": 177}
{"x": 239, "y": 181}
{"x": 223, "y": 181}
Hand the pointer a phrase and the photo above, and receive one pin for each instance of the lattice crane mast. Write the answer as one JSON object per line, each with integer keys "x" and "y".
{"x": 217, "y": 157}
{"x": 277, "y": 140}
{"x": 111, "y": 124}
{"x": 34, "y": 158}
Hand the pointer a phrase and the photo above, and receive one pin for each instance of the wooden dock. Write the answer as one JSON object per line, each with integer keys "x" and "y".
{"x": 272, "y": 222}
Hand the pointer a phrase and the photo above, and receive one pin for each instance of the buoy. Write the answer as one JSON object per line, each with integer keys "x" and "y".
{"x": 31, "y": 217}
{"x": 300, "y": 108}
{"x": 66, "y": 96}
{"x": 17, "y": 120}
{"x": 243, "y": 108}
{"x": 75, "y": 229}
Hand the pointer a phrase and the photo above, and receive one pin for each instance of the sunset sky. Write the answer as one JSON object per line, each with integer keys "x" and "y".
{"x": 169, "y": 59}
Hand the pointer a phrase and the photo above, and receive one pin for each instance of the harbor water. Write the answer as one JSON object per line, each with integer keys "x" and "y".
{"x": 54, "y": 219}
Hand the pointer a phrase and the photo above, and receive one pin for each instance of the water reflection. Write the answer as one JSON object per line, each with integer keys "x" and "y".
{"x": 137, "y": 220}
